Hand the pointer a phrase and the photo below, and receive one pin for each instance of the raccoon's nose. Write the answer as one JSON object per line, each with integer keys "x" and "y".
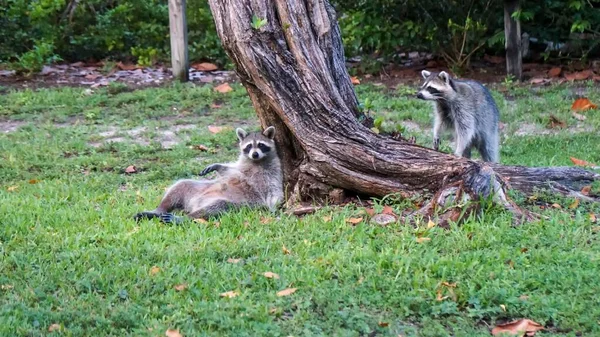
{"x": 254, "y": 155}
{"x": 420, "y": 95}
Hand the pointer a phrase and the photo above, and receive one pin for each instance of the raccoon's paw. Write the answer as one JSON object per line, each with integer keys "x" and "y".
{"x": 169, "y": 218}
{"x": 208, "y": 169}
{"x": 436, "y": 144}
{"x": 145, "y": 216}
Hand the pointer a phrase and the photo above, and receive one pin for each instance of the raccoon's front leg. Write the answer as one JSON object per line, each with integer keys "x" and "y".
{"x": 220, "y": 168}
{"x": 437, "y": 128}
{"x": 464, "y": 138}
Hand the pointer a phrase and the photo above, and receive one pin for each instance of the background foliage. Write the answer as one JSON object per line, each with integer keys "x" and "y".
{"x": 41, "y": 31}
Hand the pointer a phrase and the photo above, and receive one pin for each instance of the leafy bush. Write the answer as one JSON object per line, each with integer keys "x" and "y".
{"x": 31, "y": 31}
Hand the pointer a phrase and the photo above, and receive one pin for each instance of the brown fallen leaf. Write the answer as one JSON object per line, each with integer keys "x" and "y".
{"x": 355, "y": 80}
{"x": 223, "y": 88}
{"x": 519, "y": 328}
{"x": 582, "y": 104}
{"x": 575, "y": 204}
{"x": 555, "y": 72}
{"x": 557, "y": 206}
{"x": 592, "y": 217}
{"x": 370, "y": 211}
{"x": 216, "y": 129}
{"x": 265, "y": 220}
{"x": 586, "y": 190}
{"x": 388, "y": 210}
{"x": 173, "y": 333}
{"x": 201, "y": 147}
{"x": 286, "y": 292}
{"x": 204, "y": 66}
{"x": 154, "y": 270}
{"x": 269, "y": 274}
{"x": 327, "y": 218}
{"x": 421, "y": 240}
{"x": 579, "y": 117}
{"x": 285, "y": 250}
{"x": 123, "y": 66}
{"x": 12, "y": 188}
{"x": 430, "y": 224}
{"x": 130, "y": 169}
{"x": 54, "y": 327}
{"x": 383, "y": 324}
{"x": 33, "y": 181}
{"x": 200, "y": 221}
{"x": 580, "y": 162}
{"x": 6, "y": 286}
{"x": 354, "y": 221}
{"x": 583, "y": 75}
{"x": 556, "y": 123}
{"x": 181, "y": 287}
{"x": 230, "y": 294}
{"x": 230, "y": 260}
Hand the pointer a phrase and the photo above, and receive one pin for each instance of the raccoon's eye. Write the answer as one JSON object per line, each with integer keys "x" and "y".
{"x": 247, "y": 148}
{"x": 264, "y": 148}
{"x": 433, "y": 91}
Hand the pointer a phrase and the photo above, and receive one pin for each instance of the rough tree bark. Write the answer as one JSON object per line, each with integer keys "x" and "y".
{"x": 512, "y": 34}
{"x": 294, "y": 70}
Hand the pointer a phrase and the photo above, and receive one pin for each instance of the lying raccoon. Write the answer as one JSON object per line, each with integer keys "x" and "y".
{"x": 255, "y": 180}
{"x": 468, "y": 108}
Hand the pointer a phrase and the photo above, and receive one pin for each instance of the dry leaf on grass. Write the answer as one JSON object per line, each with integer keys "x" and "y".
{"x": 370, "y": 211}
{"x": 354, "y": 221}
{"x": 555, "y": 72}
{"x": 230, "y": 294}
{"x": 556, "y": 123}
{"x": 269, "y": 274}
{"x": 201, "y": 147}
{"x": 586, "y": 190}
{"x": 54, "y": 327}
{"x": 592, "y": 217}
{"x": 538, "y": 80}
{"x": 327, "y": 218}
{"x": 388, "y": 210}
{"x": 230, "y": 260}
{"x": 383, "y": 324}
{"x": 557, "y": 206}
{"x": 421, "y": 240}
{"x": 223, "y": 88}
{"x": 266, "y": 220}
{"x": 6, "y": 286}
{"x": 34, "y": 181}
{"x": 520, "y": 328}
{"x": 154, "y": 270}
{"x": 582, "y": 104}
{"x": 130, "y": 169}
{"x": 173, "y": 333}
{"x": 354, "y": 80}
{"x": 181, "y": 287}
{"x": 286, "y": 292}
{"x": 12, "y": 188}
{"x": 430, "y": 224}
{"x": 285, "y": 250}
{"x": 575, "y": 204}
{"x": 580, "y": 162}
{"x": 215, "y": 129}
{"x": 204, "y": 66}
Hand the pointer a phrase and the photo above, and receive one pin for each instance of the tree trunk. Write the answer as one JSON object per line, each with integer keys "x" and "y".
{"x": 512, "y": 34}
{"x": 293, "y": 68}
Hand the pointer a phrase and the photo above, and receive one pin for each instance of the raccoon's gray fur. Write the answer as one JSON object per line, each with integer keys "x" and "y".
{"x": 254, "y": 180}
{"x": 468, "y": 108}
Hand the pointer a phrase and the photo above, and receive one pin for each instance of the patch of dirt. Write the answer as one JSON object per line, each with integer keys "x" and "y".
{"x": 531, "y": 129}
{"x": 10, "y": 126}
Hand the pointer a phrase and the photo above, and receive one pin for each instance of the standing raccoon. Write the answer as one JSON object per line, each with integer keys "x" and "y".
{"x": 467, "y": 107}
{"x": 254, "y": 180}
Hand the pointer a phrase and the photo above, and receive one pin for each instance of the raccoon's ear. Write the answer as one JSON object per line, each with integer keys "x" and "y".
{"x": 425, "y": 74}
{"x": 241, "y": 134}
{"x": 444, "y": 76}
{"x": 269, "y": 132}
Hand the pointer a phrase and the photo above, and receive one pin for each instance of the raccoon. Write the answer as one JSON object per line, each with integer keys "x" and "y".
{"x": 467, "y": 107}
{"x": 254, "y": 180}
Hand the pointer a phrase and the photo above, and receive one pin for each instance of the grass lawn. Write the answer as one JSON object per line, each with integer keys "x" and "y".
{"x": 71, "y": 254}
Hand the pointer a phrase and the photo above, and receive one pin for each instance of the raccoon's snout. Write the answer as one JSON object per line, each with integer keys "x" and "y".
{"x": 420, "y": 95}
{"x": 255, "y": 155}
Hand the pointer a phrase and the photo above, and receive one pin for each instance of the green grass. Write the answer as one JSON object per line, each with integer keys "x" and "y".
{"x": 72, "y": 255}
